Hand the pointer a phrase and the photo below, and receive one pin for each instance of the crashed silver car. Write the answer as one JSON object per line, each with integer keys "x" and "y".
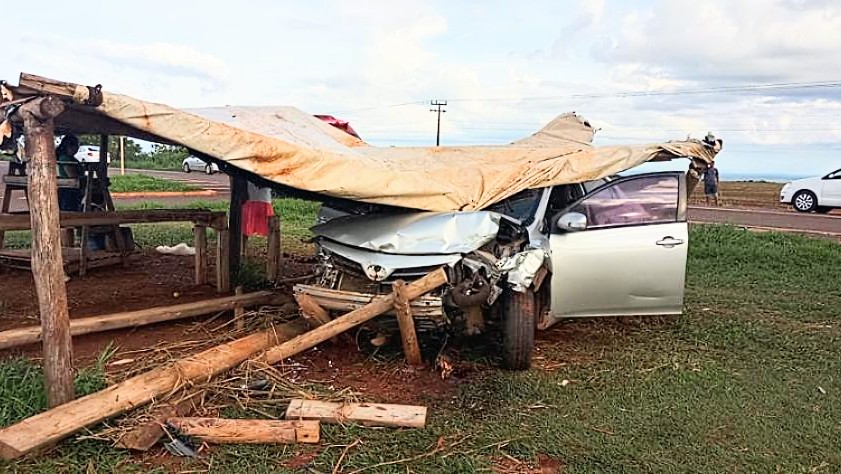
{"x": 610, "y": 247}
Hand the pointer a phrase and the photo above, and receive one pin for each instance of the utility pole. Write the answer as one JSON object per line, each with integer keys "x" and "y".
{"x": 439, "y": 104}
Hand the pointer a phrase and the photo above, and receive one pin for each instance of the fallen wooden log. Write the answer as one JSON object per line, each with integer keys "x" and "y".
{"x": 107, "y": 322}
{"x": 51, "y": 426}
{"x": 145, "y": 435}
{"x": 341, "y": 324}
{"x": 227, "y": 431}
{"x": 368, "y": 414}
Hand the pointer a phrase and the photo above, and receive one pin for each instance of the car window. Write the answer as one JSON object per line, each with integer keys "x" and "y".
{"x": 520, "y": 206}
{"x": 590, "y": 186}
{"x": 637, "y": 201}
{"x": 834, "y": 175}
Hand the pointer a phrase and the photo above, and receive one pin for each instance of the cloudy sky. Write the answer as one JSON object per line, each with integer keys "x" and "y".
{"x": 764, "y": 75}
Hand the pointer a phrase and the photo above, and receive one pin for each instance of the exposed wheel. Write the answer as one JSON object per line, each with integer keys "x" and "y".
{"x": 805, "y": 201}
{"x": 823, "y": 210}
{"x": 518, "y": 319}
{"x": 208, "y": 169}
{"x": 186, "y": 168}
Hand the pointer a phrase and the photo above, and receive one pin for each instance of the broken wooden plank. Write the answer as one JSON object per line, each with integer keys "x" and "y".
{"x": 368, "y": 414}
{"x": 312, "y": 312}
{"x": 429, "y": 307}
{"x": 341, "y": 324}
{"x": 145, "y": 435}
{"x": 408, "y": 335}
{"x": 239, "y": 312}
{"x": 51, "y": 426}
{"x": 108, "y": 322}
{"x": 231, "y": 431}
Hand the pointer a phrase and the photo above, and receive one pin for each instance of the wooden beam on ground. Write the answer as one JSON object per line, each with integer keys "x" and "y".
{"x": 51, "y": 426}
{"x": 47, "y": 260}
{"x": 239, "y": 194}
{"x": 350, "y": 320}
{"x": 109, "y": 322}
{"x": 145, "y": 435}
{"x": 408, "y": 335}
{"x": 368, "y": 414}
{"x": 227, "y": 431}
{"x": 273, "y": 251}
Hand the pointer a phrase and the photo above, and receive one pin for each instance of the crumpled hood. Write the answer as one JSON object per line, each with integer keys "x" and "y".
{"x": 416, "y": 233}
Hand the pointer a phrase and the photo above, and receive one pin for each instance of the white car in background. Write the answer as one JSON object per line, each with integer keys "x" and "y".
{"x": 193, "y": 163}
{"x": 819, "y": 194}
{"x": 90, "y": 154}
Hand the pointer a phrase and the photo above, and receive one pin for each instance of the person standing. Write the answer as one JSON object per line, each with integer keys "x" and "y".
{"x": 711, "y": 184}
{"x": 69, "y": 199}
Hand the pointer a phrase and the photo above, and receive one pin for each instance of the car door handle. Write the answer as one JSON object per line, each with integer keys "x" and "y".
{"x": 669, "y": 242}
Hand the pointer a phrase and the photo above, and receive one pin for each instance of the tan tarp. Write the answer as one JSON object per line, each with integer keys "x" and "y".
{"x": 292, "y": 148}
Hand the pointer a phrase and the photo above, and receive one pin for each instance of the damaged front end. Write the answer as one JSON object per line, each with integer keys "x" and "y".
{"x": 484, "y": 253}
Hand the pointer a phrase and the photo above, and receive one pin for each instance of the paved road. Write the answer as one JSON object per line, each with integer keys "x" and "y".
{"x": 769, "y": 220}
{"x": 755, "y": 218}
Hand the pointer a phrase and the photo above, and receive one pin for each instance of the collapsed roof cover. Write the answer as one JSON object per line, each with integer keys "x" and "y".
{"x": 296, "y": 149}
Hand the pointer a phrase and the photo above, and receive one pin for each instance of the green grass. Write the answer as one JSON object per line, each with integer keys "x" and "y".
{"x": 747, "y": 380}
{"x": 133, "y": 183}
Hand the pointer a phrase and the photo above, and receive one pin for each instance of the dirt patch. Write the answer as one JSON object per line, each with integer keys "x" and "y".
{"x": 152, "y": 280}
{"x": 341, "y": 365}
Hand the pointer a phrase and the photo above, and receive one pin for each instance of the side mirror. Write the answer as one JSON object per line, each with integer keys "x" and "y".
{"x": 572, "y": 222}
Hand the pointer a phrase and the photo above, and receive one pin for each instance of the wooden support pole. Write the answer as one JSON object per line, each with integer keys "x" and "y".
{"x": 312, "y": 312}
{"x": 223, "y": 261}
{"x": 368, "y": 414}
{"x": 273, "y": 251}
{"x": 408, "y": 335}
{"x": 239, "y": 312}
{"x": 239, "y": 194}
{"x": 200, "y": 243}
{"x": 341, "y": 324}
{"x": 237, "y": 431}
{"x": 51, "y": 426}
{"x": 47, "y": 261}
{"x": 108, "y": 322}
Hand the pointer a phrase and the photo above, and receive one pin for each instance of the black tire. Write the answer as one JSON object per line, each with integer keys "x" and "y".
{"x": 804, "y": 201}
{"x": 208, "y": 169}
{"x": 186, "y": 168}
{"x": 518, "y": 319}
{"x": 823, "y": 210}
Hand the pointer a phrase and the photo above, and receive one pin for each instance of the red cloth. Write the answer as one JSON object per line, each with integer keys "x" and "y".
{"x": 255, "y": 217}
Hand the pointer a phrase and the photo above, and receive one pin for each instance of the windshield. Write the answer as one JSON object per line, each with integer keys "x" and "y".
{"x": 520, "y": 206}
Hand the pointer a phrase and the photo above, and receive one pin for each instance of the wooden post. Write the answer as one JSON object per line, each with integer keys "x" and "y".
{"x": 228, "y": 431}
{"x": 122, "y": 155}
{"x": 239, "y": 311}
{"x": 200, "y": 242}
{"x": 239, "y": 194}
{"x": 408, "y": 335}
{"x": 223, "y": 261}
{"x": 47, "y": 262}
{"x": 273, "y": 252}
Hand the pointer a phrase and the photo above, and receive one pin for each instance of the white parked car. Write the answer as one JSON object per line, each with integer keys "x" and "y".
{"x": 90, "y": 154}
{"x": 193, "y": 163}
{"x": 819, "y": 194}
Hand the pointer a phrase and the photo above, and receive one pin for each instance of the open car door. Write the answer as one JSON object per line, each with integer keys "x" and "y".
{"x": 621, "y": 250}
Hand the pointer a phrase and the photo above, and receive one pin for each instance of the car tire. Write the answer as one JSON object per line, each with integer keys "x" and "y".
{"x": 208, "y": 169}
{"x": 518, "y": 320}
{"x": 823, "y": 210}
{"x": 804, "y": 201}
{"x": 186, "y": 168}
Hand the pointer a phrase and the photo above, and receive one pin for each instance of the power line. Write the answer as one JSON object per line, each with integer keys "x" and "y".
{"x": 778, "y": 86}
